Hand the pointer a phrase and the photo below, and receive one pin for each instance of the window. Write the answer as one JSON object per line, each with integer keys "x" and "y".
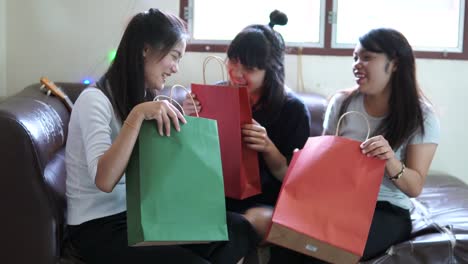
{"x": 428, "y": 25}
{"x": 435, "y": 28}
{"x": 209, "y": 19}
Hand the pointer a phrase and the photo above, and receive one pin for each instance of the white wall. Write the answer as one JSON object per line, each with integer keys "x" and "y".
{"x": 3, "y": 59}
{"x": 69, "y": 40}
{"x": 64, "y": 39}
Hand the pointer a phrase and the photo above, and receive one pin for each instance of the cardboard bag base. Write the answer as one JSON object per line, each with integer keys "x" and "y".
{"x": 293, "y": 240}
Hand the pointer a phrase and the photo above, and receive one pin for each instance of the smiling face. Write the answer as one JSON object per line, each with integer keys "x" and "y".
{"x": 372, "y": 71}
{"x": 158, "y": 69}
{"x": 240, "y": 75}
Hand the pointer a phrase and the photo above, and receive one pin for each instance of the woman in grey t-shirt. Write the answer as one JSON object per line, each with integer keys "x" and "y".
{"x": 404, "y": 129}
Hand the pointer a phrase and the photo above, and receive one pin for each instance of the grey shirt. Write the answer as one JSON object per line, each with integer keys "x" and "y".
{"x": 355, "y": 127}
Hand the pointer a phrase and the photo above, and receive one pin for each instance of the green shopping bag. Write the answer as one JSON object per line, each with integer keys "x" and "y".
{"x": 175, "y": 189}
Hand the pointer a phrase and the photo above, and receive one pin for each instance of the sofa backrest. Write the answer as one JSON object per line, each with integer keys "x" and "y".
{"x": 33, "y": 130}
{"x": 317, "y": 105}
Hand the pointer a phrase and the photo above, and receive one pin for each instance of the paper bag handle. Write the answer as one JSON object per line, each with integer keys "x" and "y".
{"x": 300, "y": 75}
{"x": 208, "y": 59}
{"x": 174, "y": 101}
{"x": 353, "y": 112}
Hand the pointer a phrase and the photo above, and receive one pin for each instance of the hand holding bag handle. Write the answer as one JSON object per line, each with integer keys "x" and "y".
{"x": 321, "y": 232}
{"x": 352, "y": 112}
{"x": 174, "y": 101}
{"x": 221, "y": 63}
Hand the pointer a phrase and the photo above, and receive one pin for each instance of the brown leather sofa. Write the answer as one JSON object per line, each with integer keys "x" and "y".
{"x": 33, "y": 131}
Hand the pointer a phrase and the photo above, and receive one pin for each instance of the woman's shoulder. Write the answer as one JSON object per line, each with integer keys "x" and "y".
{"x": 292, "y": 100}
{"x": 429, "y": 114}
{"x": 427, "y": 107}
{"x": 342, "y": 94}
{"x": 92, "y": 97}
{"x": 337, "y": 99}
{"x": 431, "y": 125}
{"x": 92, "y": 93}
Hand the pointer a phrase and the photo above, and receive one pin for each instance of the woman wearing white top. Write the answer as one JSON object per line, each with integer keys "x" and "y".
{"x": 103, "y": 129}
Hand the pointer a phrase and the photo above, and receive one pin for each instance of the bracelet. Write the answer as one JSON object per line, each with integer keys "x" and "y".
{"x": 130, "y": 125}
{"x": 399, "y": 174}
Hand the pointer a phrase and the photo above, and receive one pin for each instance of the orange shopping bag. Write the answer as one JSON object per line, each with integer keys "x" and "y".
{"x": 327, "y": 200}
{"x": 230, "y": 106}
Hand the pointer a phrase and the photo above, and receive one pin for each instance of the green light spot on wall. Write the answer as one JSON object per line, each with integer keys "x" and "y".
{"x": 111, "y": 55}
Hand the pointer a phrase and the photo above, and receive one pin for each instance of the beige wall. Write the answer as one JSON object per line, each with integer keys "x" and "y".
{"x": 3, "y": 59}
{"x": 72, "y": 42}
{"x": 64, "y": 39}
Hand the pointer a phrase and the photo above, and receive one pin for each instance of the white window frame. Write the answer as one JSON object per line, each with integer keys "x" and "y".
{"x": 327, "y": 45}
{"x": 458, "y": 49}
{"x": 189, "y": 16}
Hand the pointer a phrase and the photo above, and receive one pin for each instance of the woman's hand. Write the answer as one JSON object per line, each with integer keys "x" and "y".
{"x": 377, "y": 147}
{"x": 163, "y": 112}
{"x": 256, "y": 137}
{"x": 188, "y": 106}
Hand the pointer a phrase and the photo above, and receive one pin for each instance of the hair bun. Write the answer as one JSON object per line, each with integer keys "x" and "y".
{"x": 278, "y": 18}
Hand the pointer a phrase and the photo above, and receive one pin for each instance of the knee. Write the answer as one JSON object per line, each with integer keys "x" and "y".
{"x": 260, "y": 219}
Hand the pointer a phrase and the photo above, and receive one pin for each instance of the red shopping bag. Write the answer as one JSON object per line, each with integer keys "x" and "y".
{"x": 327, "y": 200}
{"x": 230, "y": 106}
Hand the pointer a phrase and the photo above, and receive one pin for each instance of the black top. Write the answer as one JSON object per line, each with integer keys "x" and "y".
{"x": 288, "y": 128}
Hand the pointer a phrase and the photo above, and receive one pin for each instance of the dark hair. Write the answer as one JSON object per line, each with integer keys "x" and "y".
{"x": 262, "y": 47}
{"x": 405, "y": 114}
{"x": 126, "y": 77}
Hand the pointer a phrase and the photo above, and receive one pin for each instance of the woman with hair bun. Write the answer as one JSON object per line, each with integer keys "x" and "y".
{"x": 255, "y": 59}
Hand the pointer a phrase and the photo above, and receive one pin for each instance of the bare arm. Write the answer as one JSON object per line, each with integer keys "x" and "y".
{"x": 112, "y": 164}
{"x": 418, "y": 160}
{"x": 256, "y": 138}
{"x": 188, "y": 106}
{"x": 275, "y": 161}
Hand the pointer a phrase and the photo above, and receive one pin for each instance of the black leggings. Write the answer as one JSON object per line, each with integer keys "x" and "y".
{"x": 390, "y": 225}
{"x": 104, "y": 240}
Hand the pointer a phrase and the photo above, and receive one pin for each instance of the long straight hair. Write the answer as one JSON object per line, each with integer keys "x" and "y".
{"x": 126, "y": 75}
{"x": 405, "y": 114}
